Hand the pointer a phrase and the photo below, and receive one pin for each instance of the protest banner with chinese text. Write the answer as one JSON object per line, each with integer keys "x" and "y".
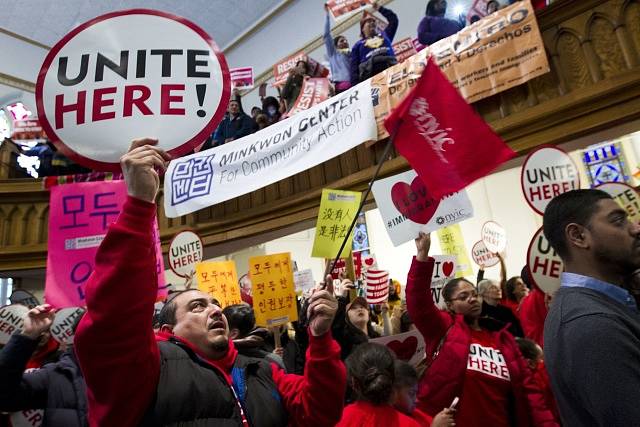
{"x": 337, "y": 210}
{"x": 274, "y": 294}
{"x": 220, "y": 280}
{"x": 452, "y": 243}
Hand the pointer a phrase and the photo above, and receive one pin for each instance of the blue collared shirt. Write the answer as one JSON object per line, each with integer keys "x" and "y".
{"x": 572, "y": 280}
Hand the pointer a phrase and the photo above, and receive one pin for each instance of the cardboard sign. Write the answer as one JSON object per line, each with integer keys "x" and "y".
{"x": 79, "y": 215}
{"x": 443, "y": 271}
{"x": 337, "y": 210}
{"x": 404, "y": 49}
{"x": 452, "y": 243}
{"x": 407, "y": 207}
{"x": 20, "y": 296}
{"x": 544, "y": 264}
{"x": 282, "y": 68}
{"x": 27, "y": 418}
{"x": 279, "y": 151}
{"x": 62, "y": 326}
{"x": 494, "y": 237}
{"x": 483, "y": 256}
{"x": 303, "y": 280}
{"x": 547, "y": 172}
{"x": 377, "y": 282}
{"x": 626, "y": 196}
{"x": 339, "y": 8}
{"x": 241, "y": 78}
{"x": 129, "y": 73}
{"x": 274, "y": 295}
{"x": 220, "y": 280}
{"x": 314, "y": 90}
{"x": 11, "y": 320}
{"x": 408, "y": 346}
{"x": 185, "y": 251}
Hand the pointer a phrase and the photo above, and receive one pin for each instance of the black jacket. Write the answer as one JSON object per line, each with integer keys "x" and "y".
{"x": 505, "y": 315}
{"x": 58, "y": 388}
{"x": 236, "y": 127}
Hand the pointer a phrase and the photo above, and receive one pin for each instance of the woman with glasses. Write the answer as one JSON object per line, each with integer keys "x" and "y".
{"x": 468, "y": 358}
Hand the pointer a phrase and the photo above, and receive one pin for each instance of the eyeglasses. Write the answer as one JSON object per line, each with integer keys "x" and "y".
{"x": 465, "y": 296}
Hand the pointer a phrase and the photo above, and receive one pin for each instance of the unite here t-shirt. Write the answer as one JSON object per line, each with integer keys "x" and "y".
{"x": 487, "y": 385}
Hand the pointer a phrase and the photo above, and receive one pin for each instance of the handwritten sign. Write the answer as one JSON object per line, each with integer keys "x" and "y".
{"x": 185, "y": 251}
{"x": 337, "y": 210}
{"x": 303, "y": 280}
{"x": 494, "y": 236}
{"x": 626, "y": 196}
{"x": 483, "y": 256}
{"x": 544, "y": 264}
{"x": 274, "y": 294}
{"x": 62, "y": 326}
{"x": 443, "y": 271}
{"x": 220, "y": 280}
{"x": 11, "y": 320}
{"x": 452, "y": 243}
{"x": 408, "y": 346}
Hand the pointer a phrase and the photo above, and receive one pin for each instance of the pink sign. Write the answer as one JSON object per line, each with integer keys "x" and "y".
{"x": 241, "y": 78}
{"x": 79, "y": 216}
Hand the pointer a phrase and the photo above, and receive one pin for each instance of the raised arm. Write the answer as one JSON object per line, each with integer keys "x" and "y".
{"x": 328, "y": 40}
{"x": 392, "y": 18}
{"x": 503, "y": 273}
{"x": 115, "y": 342}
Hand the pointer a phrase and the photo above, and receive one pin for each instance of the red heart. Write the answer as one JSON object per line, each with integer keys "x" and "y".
{"x": 447, "y": 268}
{"x": 414, "y": 201}
{"x": 369, "y": 261}
{"x": 406, "y": 349}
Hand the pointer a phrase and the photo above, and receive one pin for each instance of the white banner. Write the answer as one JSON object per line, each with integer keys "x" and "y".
{"x": 284, "y": 149}
{"x": 407, "y": 208}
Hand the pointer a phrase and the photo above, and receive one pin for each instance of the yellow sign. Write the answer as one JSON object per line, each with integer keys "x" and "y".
{"x": 220, "y": 280}
{"x": 274, "y": 293}
{"x": 337, "y": 210}
{"x": 452, "y": 243}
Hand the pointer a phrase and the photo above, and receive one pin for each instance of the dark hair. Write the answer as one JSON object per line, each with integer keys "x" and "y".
{"x": 266, "y": 102}
{"x": 336, "y": 39}
{"x": 575, "y": 206}
{"x": 510, "y": 288}
{"x": 256, "y": 108}
{"x": 406, "y": 375}
{"x": 307, "y": 67}
{"x": 526, "y": 277}
{"x": 490, "y": 2}
{"x": 167, "y": 315}
{"x": 370, "y": 368}
{"x": 474, "y": 18}
{"x": 431, "y": 5}
{"x": 240, "y": 317}
{"x": 405, "y": 322}
{"x": 528, "y": 348}
{"x": 451, "y": 286}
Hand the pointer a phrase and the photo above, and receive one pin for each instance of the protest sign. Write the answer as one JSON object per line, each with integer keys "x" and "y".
{"x": 494, "y": 237}
{"x": 339, "y": 8}
{"x": 444, "y": 270}
{"x": 547, "y": 172}
{"x": 494, "y": 54}
{"x": 128, "y": 71}
{"x": 79, "y": 215}
{"x": 417, "y": 45}
{"x": 282, "y": 68}
{"x": 408, "y": 346}
{"x": 11, "y": 320}
{"x": 283, "y": 149}
{"x": 303, "y": 280}
{"x": 27, "y": 418}
{"x": 544, "y": 264}
{"x": 626, "y": 196}
{"x": 337, "y": 210}
{"x": 185, "y": 251}
{"x": 220, "y": 280}
{"x": 63, "y": 322}
{"x": 452, "y": 243}
{"x": 20, "y": 296}
{"x": 241, "y": 78}
{"x": 274, "y": 295}
{"x": 483, "y": 256}
{"x": 377, "y": 282}
{"x": 27, "y": 130}
{"x": 339, "y": 268}
{"x": 407, "y": 208}
{"x": 404, "y": 49}
{"x": 314, "y": 90}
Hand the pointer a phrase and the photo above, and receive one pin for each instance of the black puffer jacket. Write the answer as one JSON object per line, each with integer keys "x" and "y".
{"x": 58, "y": 388}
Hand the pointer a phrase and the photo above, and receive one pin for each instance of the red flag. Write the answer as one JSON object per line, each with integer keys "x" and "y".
{"x": 442, "y": 138}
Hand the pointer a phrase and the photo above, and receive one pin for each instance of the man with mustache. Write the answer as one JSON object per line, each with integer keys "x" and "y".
{"x": 189, "y": 374}
{"x": 592, "y": 331}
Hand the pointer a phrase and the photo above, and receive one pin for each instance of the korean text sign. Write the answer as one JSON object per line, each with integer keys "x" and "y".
{"x": 129, "y": 73}
{"x": 274, "y": 294}
{"x": 337, "y": 210}
{"x": 220, "y": 280}
{"x": 79, "y": 216}
{"x": 452, "y": 243}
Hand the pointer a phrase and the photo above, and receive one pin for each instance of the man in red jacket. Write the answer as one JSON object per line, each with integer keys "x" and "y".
{"x": 190, "y": 374}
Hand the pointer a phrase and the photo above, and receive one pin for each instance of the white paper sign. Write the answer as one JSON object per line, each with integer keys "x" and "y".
{"x": 482, "y": 256}
{"x": 11, "y": 320}
{"x": 443, "y": 271}
{"x": 547, "y": 172}
{"x": 407, "y": 208}
{"x": 544, "y": 264}
{"x": 408, "y": 346}
{"x": 303, "y": 280}
{"x": 129, "y": 74}
{"x": 494, "y": 237}
{"x": 185, "y": 251}
{"x": 283, "y": 149}
{"x": 62, "y": 326}
{"x": 27, "y": 418}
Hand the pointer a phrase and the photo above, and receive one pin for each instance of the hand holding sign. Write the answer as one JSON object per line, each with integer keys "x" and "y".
{"x": 38, "y": 320}
{"x": 141, "y": 167}
{"x": 322, "y": 309}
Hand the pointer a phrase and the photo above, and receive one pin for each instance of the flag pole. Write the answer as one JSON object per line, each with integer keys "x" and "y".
{"x": 387, "y": 149}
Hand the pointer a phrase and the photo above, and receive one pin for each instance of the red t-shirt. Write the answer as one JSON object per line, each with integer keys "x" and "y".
{"x": 487, "y": 385}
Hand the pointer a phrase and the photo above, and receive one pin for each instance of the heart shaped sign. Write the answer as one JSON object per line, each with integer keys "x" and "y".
{"x": 406, "y": 349}
{"x": 414, "y": 201}
{"x": 369, "y": 261}
{"x": 447, "y": 268}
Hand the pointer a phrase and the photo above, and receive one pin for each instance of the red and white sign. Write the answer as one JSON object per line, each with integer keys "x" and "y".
{"x": 408, "y": 346}
{"x": 547, "y": 172}
{"x": 626, "y": 196}
{"x": 281, "y": 69}
{"x": 27, "y": 130}
{"x": 127, "y": 74}
{"x": 377, "y": 286}
{"x": 444, "y": 269}
{"x": 404, "y": 49}
{"x": 483, "y": 256}
{"x": 185, "y": 251}
{"x": 494, "y": 237}
{"x": 314, "y": 91}
{"x": 27, "y": 418}
{"x": 241, "y": 78}
{"x": 11, "y": 320}
{"x": 544, "y": 264}
{"x": 62, "y": 326}
{"x": 417, "y": 45}
{"x": 339, "y": 8}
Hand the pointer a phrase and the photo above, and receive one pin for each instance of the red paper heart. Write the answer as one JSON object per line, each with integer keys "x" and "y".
{"x": 369, "y": 261}
{"x": 447, "y": 268}
{"x": 414, "y": 201}
{"x": 406, "y": 349}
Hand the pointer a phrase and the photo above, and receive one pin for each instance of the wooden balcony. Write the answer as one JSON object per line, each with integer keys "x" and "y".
{"x": 594, "y": 85}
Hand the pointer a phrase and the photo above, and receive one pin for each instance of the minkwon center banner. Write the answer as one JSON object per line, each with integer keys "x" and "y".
{"x": 283, "y": 149}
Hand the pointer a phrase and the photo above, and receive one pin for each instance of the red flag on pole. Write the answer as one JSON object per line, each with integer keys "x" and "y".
{"x": 444, "y": 140}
